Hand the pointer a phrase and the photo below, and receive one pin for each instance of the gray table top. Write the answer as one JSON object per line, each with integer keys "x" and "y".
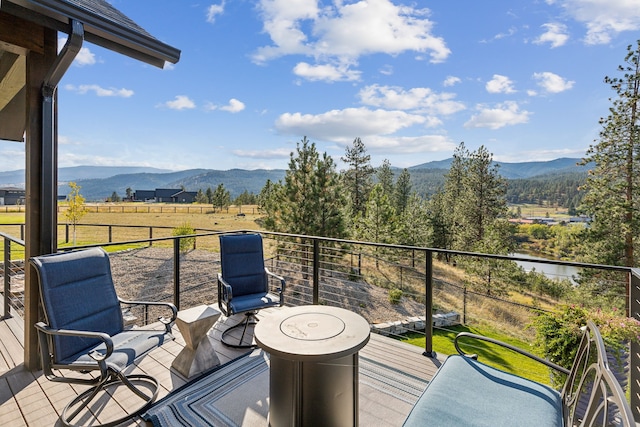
{"x": 312, "y": 333}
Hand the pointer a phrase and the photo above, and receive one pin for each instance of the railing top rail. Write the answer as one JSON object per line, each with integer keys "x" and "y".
{"x": 447, "y": 251}
{"x": 344, "y": 241}
{"x": 11, "y": 238}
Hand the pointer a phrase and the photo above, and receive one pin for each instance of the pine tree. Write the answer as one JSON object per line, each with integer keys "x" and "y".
{"x": 612, "y": 187}
{"x": 357, "y": 179}
{"x": 312, "y": 202}
{"x": 270, "y": 203}
{"x": 402, "y": 191}
{"x": 221, "y": 197}
{"x": 385, "y": 177}
{"x": 201, "y": 197}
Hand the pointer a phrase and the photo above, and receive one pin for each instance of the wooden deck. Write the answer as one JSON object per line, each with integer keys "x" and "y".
{"x": 29, "y": 399}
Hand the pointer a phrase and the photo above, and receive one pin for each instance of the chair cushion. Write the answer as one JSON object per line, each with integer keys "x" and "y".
{"x": 127, "y": 347}
{"x": 77, "y": 293}
{"x": 470, "y": 393}
{"x": 242, "y": 263}
{"x": 253, "y": 302}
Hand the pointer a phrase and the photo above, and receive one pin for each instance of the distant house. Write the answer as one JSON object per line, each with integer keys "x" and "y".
{"x": 11, "y": 196}
{"x": 165, "y": 195}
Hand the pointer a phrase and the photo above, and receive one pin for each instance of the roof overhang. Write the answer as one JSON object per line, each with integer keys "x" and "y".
{"x": 103, "y": 25}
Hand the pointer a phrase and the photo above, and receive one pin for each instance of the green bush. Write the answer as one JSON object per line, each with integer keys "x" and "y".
{"x": 185, "y": 229}
{"x": 395, "y": 295}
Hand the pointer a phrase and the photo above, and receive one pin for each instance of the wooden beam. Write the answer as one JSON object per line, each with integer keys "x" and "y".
{"x": 20, "y": 36}
{"x": 37, "y": 67}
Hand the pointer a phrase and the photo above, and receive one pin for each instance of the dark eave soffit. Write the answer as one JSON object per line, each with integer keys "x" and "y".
{"x": 111, "y": 30}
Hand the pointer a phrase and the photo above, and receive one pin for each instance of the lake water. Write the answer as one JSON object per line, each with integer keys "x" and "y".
{"x": 552, "y": 271}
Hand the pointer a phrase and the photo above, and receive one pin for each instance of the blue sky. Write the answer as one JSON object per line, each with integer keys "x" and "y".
{"x": 412, "y": 79}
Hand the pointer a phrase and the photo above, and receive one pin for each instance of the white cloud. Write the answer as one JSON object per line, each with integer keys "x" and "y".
{"x": 555, "y": 34}
{"x": 181, "y": 102}
{"x": 451, "y": 81}
{"x": 500, "y": 84}
{"x": 408, "y": 144}
{"x": 234, "y": 106}
{"x": 506, "y": 114}
{"x": 552, "y": 83}
{"x": 604, "y": 19}
{"x": 342, "y": 32}
{"x": 326, "y": 72}
{"x": 278, "y": 153}
{"x": 213, "y": 11}
{"x": 419, "y": 98}
{"x": 99, "y": 91}
{"x": 344, "y": 125}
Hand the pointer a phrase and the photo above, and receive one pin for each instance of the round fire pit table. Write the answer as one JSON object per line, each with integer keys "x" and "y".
{"x": 313, "y": 364}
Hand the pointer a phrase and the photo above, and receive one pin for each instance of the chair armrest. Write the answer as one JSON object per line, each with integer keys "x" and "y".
{"x": 42, "y": 327}
{"x": 280, "y": 278}
{"x": 225, "y": 294}
{"x": 508, "y": 346}
{"x": 166, "y": 322}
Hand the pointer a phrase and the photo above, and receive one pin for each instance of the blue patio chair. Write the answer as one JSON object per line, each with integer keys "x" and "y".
{"x": 243, "y": 284}
{"x": 84, "y": 329}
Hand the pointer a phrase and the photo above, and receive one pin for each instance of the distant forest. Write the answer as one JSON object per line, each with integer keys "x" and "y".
{"x": 552, "y": 189}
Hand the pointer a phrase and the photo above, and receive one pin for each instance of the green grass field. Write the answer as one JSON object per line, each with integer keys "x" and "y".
{"x": 488, "y": 353}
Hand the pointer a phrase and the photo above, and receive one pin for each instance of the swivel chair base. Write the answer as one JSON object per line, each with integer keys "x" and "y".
{"x": 83, "y": 400}
{"x": 250, "y": 319}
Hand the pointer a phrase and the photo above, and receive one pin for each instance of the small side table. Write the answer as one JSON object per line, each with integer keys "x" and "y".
{"x": 198, "y": 355}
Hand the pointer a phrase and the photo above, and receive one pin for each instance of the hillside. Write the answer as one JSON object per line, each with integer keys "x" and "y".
{"x": 98, "y": 182}
{"x": 516, "y": 170}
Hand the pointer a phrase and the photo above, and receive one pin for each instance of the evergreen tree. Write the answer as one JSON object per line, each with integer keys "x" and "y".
{"x": 221, "y": 197}
{"x": 612, "y": 188}
{"x": 379, "y": 221}
{"x": 201, "y": 197}
{"x": 209, "y": 194}
{"x": 357, "y": 179}
{"x": 413, "y": 226}
{"x": 270, "y": 201}
{"x": 402, "y": 191}
{"x": 385, "y": 177}
{"x": 313, "y": 197}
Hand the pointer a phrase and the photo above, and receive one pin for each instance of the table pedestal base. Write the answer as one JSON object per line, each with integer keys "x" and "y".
{"x": 313, "y": 393}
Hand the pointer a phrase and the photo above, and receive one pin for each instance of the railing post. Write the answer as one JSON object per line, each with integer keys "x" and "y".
{"x": 634, "y": 308}
{"x": 176, "y": 272}
{"x": 428, "y": 319}
{"x": 6, "y": 314}
{"x": 316, "y": 271}
{"x": 150, "y": 236}
{"x": 22, "y": 232}
{"x": 66, "y": 233}
{"x": 464, "y": 305}
{"x": 110, "y": 232}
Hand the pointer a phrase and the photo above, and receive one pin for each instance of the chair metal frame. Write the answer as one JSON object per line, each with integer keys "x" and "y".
{"x": 109, "y": 375}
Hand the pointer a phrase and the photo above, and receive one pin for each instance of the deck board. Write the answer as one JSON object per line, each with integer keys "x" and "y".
{"x": 29, "y": 399}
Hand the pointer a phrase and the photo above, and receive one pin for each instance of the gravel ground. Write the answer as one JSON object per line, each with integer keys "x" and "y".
{"x": 147, "y": 274}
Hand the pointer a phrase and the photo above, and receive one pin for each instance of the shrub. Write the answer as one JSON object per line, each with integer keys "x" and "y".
{"x": 185, "y": 229}
{"x": 395, "y": 295}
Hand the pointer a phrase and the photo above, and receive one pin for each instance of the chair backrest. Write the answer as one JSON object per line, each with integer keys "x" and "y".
{"x": 77, "y": 293}
{"x": 242, "y": 263}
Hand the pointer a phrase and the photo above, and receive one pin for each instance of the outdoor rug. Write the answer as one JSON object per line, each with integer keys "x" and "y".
{"x": 237, "y": 394}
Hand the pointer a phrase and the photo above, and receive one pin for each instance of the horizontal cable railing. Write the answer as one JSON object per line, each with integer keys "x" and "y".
{"x": 397, "y": 288}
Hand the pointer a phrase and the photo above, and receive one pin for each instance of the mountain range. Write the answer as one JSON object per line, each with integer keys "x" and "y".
{"x": 99, "y": 182}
